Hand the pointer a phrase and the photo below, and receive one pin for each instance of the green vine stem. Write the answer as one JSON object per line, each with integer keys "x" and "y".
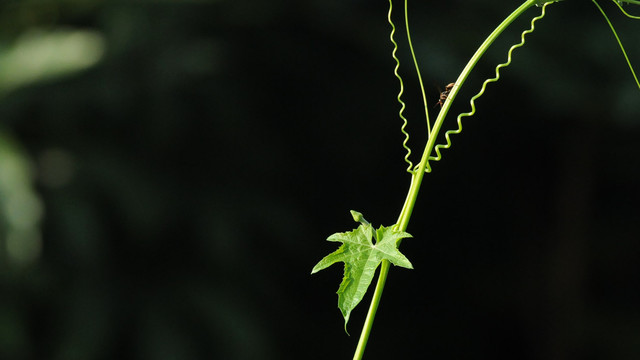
{"x": 624, "y": 12}
{"x": 472, "y": 102}
{"x": 417, "y": 176}
{"x": 618, "y": 38}
{"x": 416, "y": 181}
{"x": 415, "y": 63}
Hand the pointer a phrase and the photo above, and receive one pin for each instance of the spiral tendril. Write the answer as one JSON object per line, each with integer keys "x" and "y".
{"x": 402, "y": 104}
{"x": 448, "y": 134}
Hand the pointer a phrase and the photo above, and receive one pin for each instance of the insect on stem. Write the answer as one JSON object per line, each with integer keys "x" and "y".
{"x": 444, "y": 94}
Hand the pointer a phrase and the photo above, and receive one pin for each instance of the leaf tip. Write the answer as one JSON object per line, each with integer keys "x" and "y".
{"x": 346, "y": 320}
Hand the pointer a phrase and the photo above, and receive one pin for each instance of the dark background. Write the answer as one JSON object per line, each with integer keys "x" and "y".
{"x": 183, "y": 186}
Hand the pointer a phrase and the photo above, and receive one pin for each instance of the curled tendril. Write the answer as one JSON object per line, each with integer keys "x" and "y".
{"x": 402, "y": 104}
{"x": 448, "y": 134}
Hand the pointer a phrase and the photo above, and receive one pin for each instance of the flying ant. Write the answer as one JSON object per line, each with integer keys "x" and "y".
{"x": 444, "y": 94}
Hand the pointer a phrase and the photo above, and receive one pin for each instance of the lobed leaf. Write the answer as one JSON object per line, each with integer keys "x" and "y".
{"x": 361, "y": 258}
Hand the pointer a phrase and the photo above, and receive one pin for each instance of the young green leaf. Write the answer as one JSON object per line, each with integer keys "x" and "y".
{"x": 361, "y": 258}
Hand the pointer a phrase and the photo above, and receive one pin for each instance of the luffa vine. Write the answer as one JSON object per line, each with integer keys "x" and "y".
{"x": 364, "y": 249}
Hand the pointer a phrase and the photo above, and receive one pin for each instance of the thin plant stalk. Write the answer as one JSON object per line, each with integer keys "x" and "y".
{"x": 417, "y": 176}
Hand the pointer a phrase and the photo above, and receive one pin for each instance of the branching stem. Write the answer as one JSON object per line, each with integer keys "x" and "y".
{"x": 417, "y": 176}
